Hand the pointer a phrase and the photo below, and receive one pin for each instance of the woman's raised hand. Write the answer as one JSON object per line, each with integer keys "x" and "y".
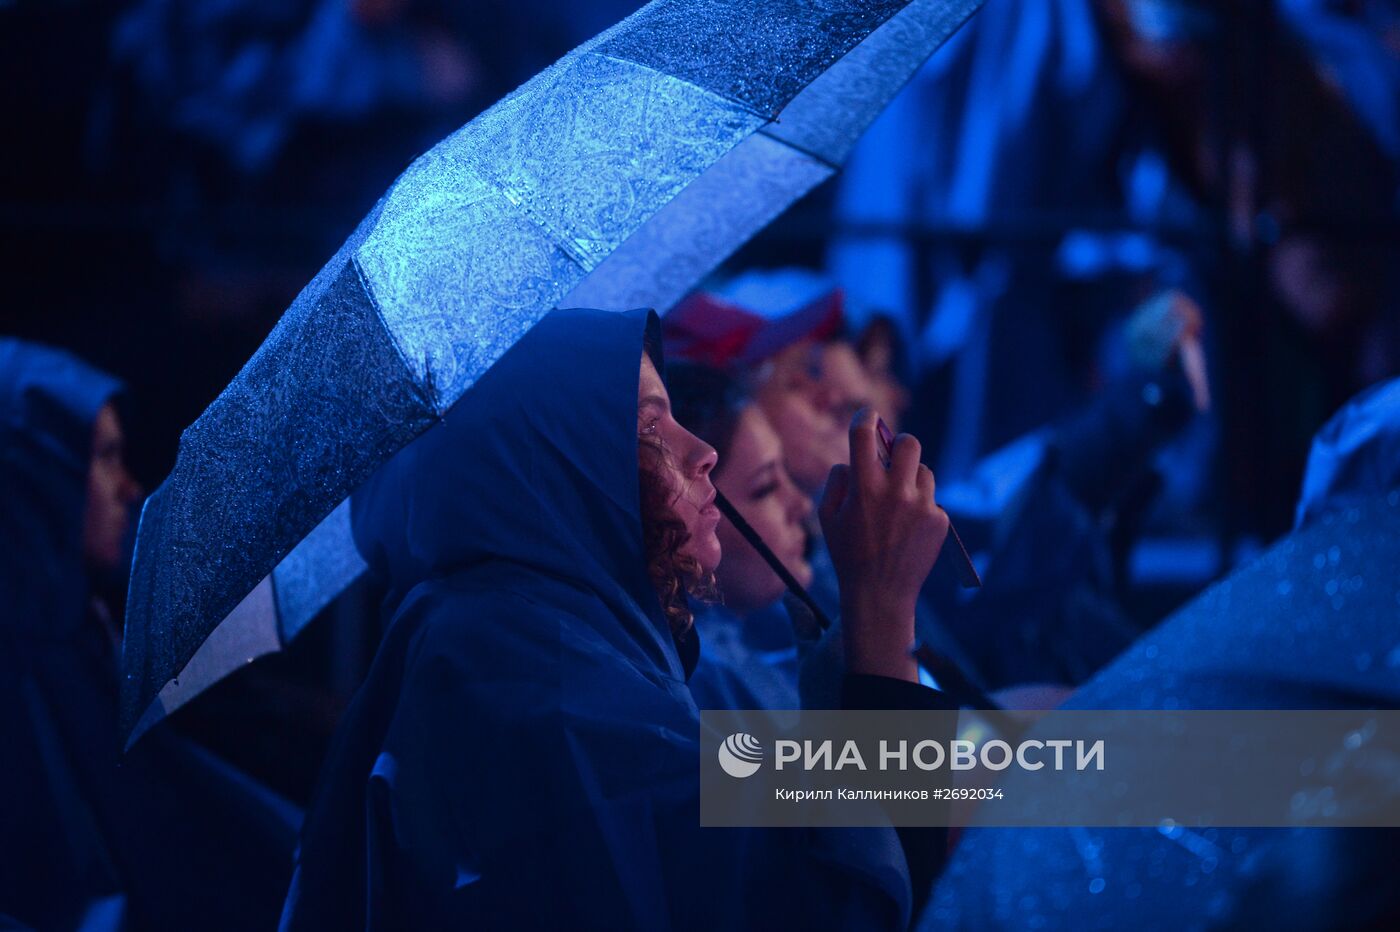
{"x": 884, "y": 531}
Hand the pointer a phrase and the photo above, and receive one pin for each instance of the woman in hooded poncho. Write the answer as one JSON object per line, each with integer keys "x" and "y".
{"x": 166, "y": 837}
{"x": 525, "y": 749}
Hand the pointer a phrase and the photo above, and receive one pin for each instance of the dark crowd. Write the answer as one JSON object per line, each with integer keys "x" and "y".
{"x": 1105, "y": 303}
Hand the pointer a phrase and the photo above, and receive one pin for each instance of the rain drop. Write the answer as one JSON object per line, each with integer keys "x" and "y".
{"x": 1096, "y": 885}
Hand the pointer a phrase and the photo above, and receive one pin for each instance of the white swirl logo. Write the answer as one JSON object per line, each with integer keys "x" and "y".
{"x": 740, "y": 755}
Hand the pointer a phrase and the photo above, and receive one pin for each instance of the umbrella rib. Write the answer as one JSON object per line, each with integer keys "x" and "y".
{"x": 708, "y": 91}
{"x": 763, "y": 131}
{"x": 428, "y": 384}
{"x": 768, "y": 118}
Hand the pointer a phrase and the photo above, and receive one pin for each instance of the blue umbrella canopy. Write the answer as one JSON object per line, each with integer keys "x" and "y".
{"x": 616, "y": 178}
{"x": 1314, "y": 623}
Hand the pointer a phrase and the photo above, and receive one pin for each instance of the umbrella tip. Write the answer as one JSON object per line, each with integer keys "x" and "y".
{"x": 154, "y": 714}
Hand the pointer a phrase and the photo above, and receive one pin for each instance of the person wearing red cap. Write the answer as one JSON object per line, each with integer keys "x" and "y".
{"x": 805, "y": 377}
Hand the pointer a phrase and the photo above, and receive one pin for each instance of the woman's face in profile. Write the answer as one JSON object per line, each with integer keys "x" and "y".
{"x": 110, "y": 494}
{"x": 686, "y": 464}
{"x": 810, "y": 394}
{"x": 755, "y": 480}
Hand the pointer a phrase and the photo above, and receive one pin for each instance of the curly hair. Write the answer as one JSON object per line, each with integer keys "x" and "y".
{"x": 674, "y": 574}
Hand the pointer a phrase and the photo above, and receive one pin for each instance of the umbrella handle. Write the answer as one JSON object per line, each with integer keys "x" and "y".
{"x": 749, "y": 534}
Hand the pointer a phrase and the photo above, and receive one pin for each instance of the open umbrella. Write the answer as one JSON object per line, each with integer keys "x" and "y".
{"x": 616, "y": 178}
{"x": 1314, "y": 623}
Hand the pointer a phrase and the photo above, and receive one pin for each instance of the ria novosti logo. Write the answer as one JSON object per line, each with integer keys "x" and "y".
{"x": 740, "y": 755}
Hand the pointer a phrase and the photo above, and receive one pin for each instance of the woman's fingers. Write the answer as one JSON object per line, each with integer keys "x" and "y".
{"x": 838, "y": 482}
{"x": 925, "y": 482}
{"x": 865, "y": 458}
{"x": 904, "y": 462}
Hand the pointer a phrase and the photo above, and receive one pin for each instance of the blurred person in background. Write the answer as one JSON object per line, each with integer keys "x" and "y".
{"x": 788, "y": 362}
{"x": 1279, "y": 120}
{"x": 1050, "y": 517}
{"x": 1059, "y": 162}
{"x": 787, "y": 343}
{"x": 748, "y": 652}
{"x": 166, "y": 836}
{"x": 882, "y": 355}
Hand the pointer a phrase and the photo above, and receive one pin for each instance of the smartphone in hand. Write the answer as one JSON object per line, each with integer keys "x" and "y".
{"x": 962, "y": 563}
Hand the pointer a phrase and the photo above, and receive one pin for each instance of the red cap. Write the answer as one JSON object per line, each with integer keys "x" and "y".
{"x": 706, "y": 328}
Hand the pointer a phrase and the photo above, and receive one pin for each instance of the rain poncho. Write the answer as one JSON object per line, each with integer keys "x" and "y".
{"x": 524, "y": 751}
{"x": 165, "y": 838}
{"x": 1355, "y": 455}
{"x": 1312, "y": 624}
{"x": 747, "y": 662}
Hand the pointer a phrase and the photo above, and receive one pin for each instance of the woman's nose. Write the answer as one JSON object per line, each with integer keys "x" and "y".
{"x": 704, "y": 457}
{"x": 826, "y": 399}
{"x": 132, "y": 491}
{"x": 799, "y": 505}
